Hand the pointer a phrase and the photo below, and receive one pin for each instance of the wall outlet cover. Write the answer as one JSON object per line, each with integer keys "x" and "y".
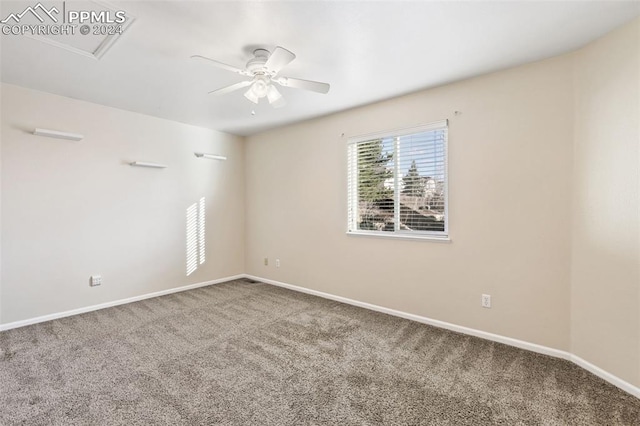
{"x": 486, "y": 300}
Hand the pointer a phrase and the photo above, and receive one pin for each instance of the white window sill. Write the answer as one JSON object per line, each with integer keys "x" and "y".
{"x": 401, "y": 236}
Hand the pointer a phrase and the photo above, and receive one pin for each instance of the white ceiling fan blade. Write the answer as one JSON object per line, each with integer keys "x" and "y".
{"x": 279, "y": 59}
{"x": 221, "y": 65}
{"x": 231, "y": 88}
{"x": 314, "y": 86}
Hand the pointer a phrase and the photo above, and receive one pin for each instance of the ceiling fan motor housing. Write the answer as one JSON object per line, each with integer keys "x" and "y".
{"x": 256, "y": 64}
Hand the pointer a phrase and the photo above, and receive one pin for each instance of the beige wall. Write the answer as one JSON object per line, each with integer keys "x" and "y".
{"x": 605, "y": 284}
{"x": 510, "y": 159}
{"x": 1, "y": 94}
{"x": 73, "y": 209}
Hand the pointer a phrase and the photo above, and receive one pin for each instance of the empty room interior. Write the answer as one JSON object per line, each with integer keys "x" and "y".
{"x": 320, "y": 213}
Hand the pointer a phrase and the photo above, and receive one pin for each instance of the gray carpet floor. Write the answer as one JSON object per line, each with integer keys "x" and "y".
{"x": 243, "y": 353}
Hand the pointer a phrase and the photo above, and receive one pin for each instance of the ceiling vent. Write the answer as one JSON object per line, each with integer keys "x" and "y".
{"x": 89, "y": 27}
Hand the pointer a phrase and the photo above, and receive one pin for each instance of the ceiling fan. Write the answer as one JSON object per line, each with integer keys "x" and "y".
{"x": 263, "y": 69}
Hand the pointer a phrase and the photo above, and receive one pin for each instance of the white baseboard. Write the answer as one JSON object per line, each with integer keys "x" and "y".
{"x": 605, "y": 375}
{"x": 83, "y": 310}
{"x": 557, "y": 353}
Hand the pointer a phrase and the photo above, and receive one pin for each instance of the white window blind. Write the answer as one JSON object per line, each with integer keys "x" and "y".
{"x": 398, "y": 183}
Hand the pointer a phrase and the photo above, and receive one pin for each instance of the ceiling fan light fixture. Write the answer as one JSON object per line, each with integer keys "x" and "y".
{"x": 249, "y": 94}
{"x": 273, "y": 95}
{"x": 260, "y": 87}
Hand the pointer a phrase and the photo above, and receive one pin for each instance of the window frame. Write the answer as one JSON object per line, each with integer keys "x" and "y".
{"x": 352, "y": 184}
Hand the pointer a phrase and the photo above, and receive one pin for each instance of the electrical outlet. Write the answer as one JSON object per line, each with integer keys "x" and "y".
{"x": 266, "y": 261}
{"x": 95, "y": 280}
{"x": 486, "y": 300}
{"x": 277, "y": 263}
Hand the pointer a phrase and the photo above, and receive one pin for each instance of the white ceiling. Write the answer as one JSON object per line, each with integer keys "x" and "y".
{"x": 367, "y": 51}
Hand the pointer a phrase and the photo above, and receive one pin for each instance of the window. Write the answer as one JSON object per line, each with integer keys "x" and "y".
{"x": 398, "y": 183}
